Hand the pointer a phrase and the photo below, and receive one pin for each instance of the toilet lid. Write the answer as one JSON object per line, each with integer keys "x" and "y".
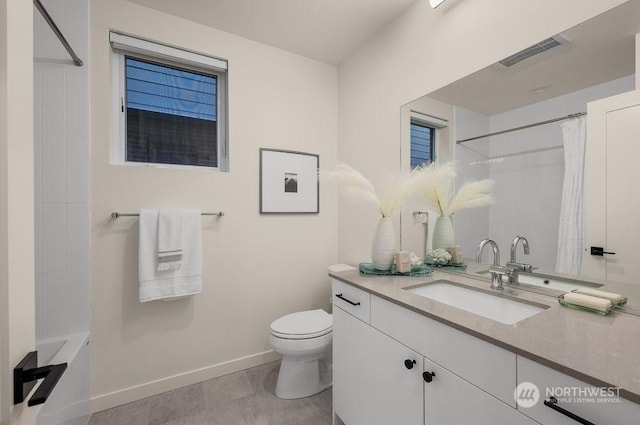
{"x": 304, "y": 324}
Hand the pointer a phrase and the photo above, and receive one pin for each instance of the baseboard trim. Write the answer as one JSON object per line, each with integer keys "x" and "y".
{"x": 138, "y": 392}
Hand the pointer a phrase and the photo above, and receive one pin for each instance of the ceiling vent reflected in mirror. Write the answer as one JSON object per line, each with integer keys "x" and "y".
{"x": 536, "y": 49}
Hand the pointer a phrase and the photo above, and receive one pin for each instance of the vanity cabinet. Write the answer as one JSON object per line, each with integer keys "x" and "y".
{"x": 371, "y": 383}
{"x": 574, "y": 397}
{"x": 385, "y": 376}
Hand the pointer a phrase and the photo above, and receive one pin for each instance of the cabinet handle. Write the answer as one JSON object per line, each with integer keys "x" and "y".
{"x": 428, "y": 376}
{"x": 553, "y": 403}
{"x": 409, "y": 363}
{"x": 347, "y": 300}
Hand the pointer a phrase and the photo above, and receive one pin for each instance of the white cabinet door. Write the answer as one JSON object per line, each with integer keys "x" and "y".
{"x": 371, "y": 384}
{"x": 598, "y": 405}
{"x": 450, "y": 400}
{"x": 611, "y": 173}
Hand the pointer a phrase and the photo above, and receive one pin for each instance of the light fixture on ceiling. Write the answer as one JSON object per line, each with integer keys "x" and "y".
{"x": 541, "y": 88}
{"x": 435, "y": 3}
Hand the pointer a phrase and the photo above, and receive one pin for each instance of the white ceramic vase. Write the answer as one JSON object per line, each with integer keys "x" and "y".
{"x": 383, "y": 247}
{"x": 443, "y": 234}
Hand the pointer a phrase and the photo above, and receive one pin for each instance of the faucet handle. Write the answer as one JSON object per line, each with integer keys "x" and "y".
{"x": 521, "y": 267}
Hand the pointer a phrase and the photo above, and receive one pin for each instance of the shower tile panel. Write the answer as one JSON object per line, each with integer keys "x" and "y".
{"x": 54, "y": 304}
{"x": 54, "y": 237}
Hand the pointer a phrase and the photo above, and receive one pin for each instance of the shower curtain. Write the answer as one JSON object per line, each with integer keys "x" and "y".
{"x": 571, "y": 232}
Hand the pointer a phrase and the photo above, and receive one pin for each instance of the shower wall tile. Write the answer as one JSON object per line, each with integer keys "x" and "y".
{"x": 37, "y": 167}
{"x": 79, "y": 300}
{"x": 39, "y": 306}
{"x": 54, "y": 237}
{"x": 77, "y": 216}
{"x": 54, "y": 304}
{"x": 51, "y": 47}
{"x": 61, "y": 162}
{"x": 77, "y": 12}
{"x": 77, "y": 153}
{"x": 54, "y": 144}
{"x": 37, "y": 228}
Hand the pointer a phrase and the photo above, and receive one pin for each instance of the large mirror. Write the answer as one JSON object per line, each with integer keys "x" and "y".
{"x": 554, "y": 79}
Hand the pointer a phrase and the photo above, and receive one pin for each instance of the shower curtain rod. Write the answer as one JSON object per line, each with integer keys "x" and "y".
{"x": 57, "y": 32}
{"x": 568, "y": 117}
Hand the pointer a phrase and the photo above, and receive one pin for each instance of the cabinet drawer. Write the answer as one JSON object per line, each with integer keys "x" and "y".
{"x": 591, "y": 403}
{"x": 352, "y": 300}
{"x": 485, "y": 365}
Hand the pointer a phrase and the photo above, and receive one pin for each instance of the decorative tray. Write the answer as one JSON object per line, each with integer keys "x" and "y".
{"x": 367, "y": 269}
{"x": 449, "y": 264}
{"x": 562, "y": 301}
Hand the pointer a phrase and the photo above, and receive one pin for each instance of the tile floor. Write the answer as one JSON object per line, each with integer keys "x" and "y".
{"x": 242, "y": 398}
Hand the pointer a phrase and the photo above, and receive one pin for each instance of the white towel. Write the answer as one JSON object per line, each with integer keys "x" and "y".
{"x": 170, "y": 238}
{"x": 156, "y": 285}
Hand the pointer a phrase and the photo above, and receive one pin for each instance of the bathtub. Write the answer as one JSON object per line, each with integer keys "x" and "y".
{"x": 69, "y": 402}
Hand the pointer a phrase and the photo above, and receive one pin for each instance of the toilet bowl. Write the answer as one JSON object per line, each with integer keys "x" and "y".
{"x": 304, "y": 341}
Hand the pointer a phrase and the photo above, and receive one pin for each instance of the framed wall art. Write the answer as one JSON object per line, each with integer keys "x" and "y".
{"x": 289, "y": 182}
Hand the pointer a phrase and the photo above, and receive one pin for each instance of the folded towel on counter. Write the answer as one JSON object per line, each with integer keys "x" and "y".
{"x": 170, "y": 238}
{"x": 588, "y": 301}
{"x": 187, "y": 280}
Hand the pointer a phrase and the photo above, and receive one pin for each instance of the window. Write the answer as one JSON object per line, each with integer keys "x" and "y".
{"x": 422, "y": 141}
{"x": 171, "y": 105}
{"x": 423, "y": 138}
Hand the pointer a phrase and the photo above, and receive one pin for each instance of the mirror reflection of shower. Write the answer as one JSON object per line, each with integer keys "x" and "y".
{"x": 556, "y": 78}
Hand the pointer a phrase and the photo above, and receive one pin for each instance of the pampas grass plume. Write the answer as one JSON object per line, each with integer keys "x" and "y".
{"x": 433, "y": 182}
{"x": 473, "y": 194}
{"x": 356, "y": 186}
{"x": 353, "y": 184}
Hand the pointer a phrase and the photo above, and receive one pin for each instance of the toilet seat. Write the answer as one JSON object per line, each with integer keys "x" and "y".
{"x": 303, "y": 325}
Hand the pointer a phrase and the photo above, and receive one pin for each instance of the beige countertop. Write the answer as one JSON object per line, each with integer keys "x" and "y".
{"x": 600, "y": 350}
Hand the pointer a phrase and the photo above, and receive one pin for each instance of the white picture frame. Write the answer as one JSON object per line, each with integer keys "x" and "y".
{"x": 289, "y": 182}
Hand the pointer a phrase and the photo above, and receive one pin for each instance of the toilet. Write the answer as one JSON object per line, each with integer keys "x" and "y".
{"x": 304, "y": 341}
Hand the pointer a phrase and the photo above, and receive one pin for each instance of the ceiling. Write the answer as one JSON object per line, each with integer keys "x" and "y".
{"x": 600, "y": 50}
{"x": 325, "y": 30}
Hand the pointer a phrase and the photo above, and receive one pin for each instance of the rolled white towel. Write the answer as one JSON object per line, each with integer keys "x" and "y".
{"x": 588, "y": 301}
{"x": 615, "y": 298}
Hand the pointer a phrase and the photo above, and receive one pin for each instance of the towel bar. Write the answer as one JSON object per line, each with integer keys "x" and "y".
{"x": 119, "y": 214}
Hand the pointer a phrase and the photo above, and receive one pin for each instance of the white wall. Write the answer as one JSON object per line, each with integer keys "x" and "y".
{"x": 17, "y": 335}
{"x": 256, "y": 267}
{"x": 61, "y": 158}
{"x": 423, "y": 50}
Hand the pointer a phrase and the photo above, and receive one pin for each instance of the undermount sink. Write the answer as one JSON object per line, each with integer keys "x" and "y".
{"x": 503, "y": 310}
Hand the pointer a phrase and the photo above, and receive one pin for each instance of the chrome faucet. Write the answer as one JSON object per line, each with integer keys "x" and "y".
{"x": 514, "y": 264}
{"x": 496, "y": 270}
